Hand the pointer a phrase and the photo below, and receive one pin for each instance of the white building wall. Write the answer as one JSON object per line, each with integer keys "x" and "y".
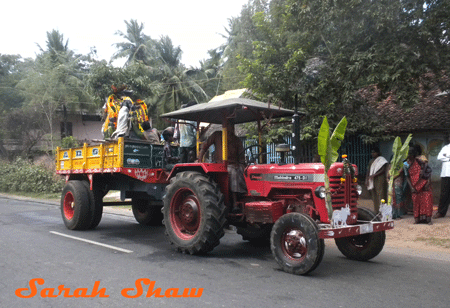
{"x": 85, "y": 130}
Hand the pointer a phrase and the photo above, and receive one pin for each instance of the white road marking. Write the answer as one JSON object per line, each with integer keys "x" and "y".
{"x": 92, "y": 242}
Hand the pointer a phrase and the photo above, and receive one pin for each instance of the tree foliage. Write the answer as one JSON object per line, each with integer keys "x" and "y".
{"x": 59, "y": 80}
{"x": 335, "y": 55}
{"x": 11, "y": 72}
{"x": 328, "y": 50}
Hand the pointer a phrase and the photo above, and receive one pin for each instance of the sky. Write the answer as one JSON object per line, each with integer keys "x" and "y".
{"x": 194, "y": 25}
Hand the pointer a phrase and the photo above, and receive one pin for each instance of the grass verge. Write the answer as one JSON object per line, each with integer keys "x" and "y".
{"x": 441, "y": 242}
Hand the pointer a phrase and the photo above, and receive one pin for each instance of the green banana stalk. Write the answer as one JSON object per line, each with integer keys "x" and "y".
{"x": 328, "y": 147}
{"x": 400, "y": 152}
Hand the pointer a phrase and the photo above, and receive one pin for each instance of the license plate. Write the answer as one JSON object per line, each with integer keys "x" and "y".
{"x": 366, "y": 228}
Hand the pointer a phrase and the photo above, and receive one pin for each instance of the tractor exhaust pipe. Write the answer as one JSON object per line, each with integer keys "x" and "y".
{"x": 296, "y": 133}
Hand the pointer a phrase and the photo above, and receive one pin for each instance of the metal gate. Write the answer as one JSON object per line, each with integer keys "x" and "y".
{"x": 358, "y": 152}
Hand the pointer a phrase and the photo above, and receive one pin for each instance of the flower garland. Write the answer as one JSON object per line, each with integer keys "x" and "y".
{"x": 348, "y": 168}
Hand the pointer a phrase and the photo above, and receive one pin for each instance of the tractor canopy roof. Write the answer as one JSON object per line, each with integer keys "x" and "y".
{"x": 241, "y": 110}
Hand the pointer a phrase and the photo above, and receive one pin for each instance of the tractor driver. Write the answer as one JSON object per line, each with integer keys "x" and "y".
{"x": 236, "y": 161}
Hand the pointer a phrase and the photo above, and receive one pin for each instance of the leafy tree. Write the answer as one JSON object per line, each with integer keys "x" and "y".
{"x": 326, "y": 51}
{"x": 12, "y": 70}
{"x": 25, "y": 126}
{"x": 100, "y": 79}
{"x": 55, "y": 80}
{"x": 240, "y": 34}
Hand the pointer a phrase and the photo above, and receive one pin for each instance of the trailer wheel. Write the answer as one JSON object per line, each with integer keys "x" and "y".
{"x": 365, "y": 246}
{"x": 194, "y": 213}
{"x": 96, "y": 204}
{"x": 75, "y": 206}
{"x": 295, "y": 243}
{"x": 146, "y": 214}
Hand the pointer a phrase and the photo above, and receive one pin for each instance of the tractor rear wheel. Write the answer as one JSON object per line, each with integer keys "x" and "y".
{"x": 295, "y": 243}
{"x": 365, "y": 246}
{"x": 75, "y": 206}
{"x": 145, "y": 213}
{"x": 194, "y": 213}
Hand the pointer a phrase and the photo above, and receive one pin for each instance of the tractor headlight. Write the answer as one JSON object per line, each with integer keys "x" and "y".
{"x": 320, "y": 192}
{"x": 359, "y": 189}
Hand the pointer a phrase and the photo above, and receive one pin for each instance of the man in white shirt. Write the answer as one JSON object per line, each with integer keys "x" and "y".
{"x": 444, "y": 157}
{"x": 186, "y": 132}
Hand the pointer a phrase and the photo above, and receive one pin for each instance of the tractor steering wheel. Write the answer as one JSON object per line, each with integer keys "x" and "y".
{"x": 253, "y": 156}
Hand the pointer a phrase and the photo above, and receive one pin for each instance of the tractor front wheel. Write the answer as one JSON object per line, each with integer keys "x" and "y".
{"x": 365, "y": 246}
{"x": 194, "y": 213}
{"x": 295, "y": 243}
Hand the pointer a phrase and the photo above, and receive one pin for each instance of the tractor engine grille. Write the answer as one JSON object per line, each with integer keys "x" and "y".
{"x": 343, "y": 193}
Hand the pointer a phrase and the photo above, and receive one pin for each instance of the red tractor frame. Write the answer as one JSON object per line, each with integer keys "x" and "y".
{"x": 285, "y": 203}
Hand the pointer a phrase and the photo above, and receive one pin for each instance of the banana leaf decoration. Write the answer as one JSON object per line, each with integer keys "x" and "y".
{"x": 328, "y": 147}
{"x": 400, "y": 152}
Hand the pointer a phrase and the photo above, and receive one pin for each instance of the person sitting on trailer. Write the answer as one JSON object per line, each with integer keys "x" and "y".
{"x": 151, "y": 134}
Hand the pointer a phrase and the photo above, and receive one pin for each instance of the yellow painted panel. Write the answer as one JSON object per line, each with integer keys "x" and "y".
{"x": 109, "y": 155}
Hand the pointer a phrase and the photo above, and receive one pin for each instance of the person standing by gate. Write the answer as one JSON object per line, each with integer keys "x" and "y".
{"x": 444, "y": 201}
{"x": 376, "y": 181}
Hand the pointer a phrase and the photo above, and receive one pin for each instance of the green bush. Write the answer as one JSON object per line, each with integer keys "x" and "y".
{"x": 23, "y": 176}
{"x": 69, "y": 142}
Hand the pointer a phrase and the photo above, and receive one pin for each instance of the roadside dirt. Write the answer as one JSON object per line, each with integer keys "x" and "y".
{"x": 406, "y": 234}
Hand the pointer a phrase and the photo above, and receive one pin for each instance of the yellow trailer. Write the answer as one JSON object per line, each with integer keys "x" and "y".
{"x": 134, "y": 158}
{"x": 133, "y": 167}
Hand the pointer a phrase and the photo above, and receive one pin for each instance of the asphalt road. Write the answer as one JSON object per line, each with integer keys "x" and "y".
{"x": 34, "y": 244}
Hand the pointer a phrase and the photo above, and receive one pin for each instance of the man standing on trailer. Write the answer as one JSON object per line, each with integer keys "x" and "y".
{"x": 186, "y": 132}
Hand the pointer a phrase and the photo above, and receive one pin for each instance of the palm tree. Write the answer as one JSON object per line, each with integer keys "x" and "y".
{"x": 213, "y": 70}
{"x": 57, "y": 49}
{"x": 176, "y": 84}
{"x": 139, "y": 47}
{"x": 167, "y": 53}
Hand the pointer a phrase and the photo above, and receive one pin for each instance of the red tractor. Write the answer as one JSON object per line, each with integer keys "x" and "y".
{"x": 285, "y": 203}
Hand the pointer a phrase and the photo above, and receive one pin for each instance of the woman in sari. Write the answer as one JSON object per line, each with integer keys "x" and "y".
{"x": 419, "y": 180}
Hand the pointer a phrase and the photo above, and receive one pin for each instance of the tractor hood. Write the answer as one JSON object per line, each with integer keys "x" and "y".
{"x": 292, "y": 172}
